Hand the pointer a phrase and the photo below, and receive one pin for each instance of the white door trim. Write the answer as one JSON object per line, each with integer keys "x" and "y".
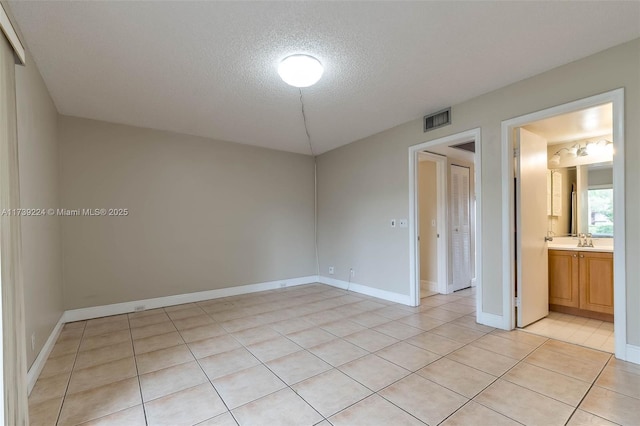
{"x": 414, "y": 261}
{"x": 12, "y": 36}
{"x": 616, "y": 97}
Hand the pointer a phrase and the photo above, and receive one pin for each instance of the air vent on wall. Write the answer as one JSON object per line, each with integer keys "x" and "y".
{"x": 438, "y": 119}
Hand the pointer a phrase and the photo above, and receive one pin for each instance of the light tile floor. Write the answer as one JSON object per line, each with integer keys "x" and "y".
{"x": 319, "y": 355}
{"x": 579, "y": 330}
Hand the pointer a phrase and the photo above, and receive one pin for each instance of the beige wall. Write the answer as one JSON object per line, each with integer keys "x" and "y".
{"x": 204, "y": 214}
{"x": 39, "y": 188}
{"x": 363, "y": 184}
{"x": 428, "y": 212}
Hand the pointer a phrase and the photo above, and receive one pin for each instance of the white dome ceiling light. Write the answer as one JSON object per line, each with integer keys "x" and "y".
{"x": 300, "y": 70}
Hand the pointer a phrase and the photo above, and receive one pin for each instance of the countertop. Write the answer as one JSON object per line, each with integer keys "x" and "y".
{"x": 571, "y": 243}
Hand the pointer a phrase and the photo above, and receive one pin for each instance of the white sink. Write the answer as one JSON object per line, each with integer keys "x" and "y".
{"x": 571, "y": 243}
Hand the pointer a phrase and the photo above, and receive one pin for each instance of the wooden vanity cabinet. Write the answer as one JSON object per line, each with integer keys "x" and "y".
{"x": 581, "y": 283}
{"x": 564, "y": 278}
{"x": 596, "y": 281}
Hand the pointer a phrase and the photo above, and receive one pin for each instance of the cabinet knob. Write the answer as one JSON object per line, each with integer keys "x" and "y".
{"x": 575, "y": 255}
{"x": 582, "y": 255}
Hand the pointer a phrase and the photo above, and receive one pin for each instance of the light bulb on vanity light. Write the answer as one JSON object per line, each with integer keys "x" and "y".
{"x": 608, "y": 148}
{"x": 595, "y": 148}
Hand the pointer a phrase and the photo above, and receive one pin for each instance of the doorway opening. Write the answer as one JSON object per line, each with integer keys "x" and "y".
{"x": 563, "y": 227}
{"x": 444, "y": 222}
{"x": 432, "y": 223}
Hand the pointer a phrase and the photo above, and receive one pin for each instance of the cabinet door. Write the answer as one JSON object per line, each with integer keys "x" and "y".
{"x": 596, "y": 281}
{"x": 563, "y": 278}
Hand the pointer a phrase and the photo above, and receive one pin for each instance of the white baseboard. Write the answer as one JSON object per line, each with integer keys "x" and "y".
{"x": 41, "y": 359}
{"x": 178, "y": 299}
{"x": 492, "y": 320}
{"x": 633, "y": 354}
{"x": 369, "y": 291}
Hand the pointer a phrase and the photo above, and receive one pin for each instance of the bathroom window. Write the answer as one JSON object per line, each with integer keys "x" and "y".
{"x": 601, "y": 212}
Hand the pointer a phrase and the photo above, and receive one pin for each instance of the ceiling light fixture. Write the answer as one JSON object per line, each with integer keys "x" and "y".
{"x": 300, "y": 70}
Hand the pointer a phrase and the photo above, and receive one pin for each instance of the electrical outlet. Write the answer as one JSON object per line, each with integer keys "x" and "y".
{"x": 352, "y": 272}
{"x": 33, "y": 342}
{"x": 403, "y": 223}
{"x": 393, "y": 223}
{"x": 331, "y": 270}
{"x": 139, "y": 308}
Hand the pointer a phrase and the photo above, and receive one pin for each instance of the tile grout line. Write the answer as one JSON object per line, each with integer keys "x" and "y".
{"x": 591, "y": 387}
{"x": 135, "y": 362}
{"x": 75, "y": 358}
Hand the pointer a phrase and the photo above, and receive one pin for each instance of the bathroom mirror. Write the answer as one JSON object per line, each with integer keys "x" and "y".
{"x": 581, "y": 200}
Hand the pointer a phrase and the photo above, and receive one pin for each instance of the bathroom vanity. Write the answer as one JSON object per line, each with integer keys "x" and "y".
{"x": 581, "y": 279}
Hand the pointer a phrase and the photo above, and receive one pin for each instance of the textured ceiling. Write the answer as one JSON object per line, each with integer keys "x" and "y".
{"x": 209, "y": 68}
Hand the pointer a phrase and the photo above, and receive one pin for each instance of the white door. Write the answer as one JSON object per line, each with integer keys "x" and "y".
{"x": 460, "y": 228}
{"x": 532, "y": 281}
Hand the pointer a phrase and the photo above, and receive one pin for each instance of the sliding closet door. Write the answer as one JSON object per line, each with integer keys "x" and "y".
{"x": 13, "y": 351}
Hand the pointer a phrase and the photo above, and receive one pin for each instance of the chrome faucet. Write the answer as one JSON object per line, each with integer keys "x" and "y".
{"x": 590, "y": 242}
{"x": 583, "y": 242}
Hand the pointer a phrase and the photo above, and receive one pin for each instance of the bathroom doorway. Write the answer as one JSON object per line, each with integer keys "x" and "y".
{"x": 566, "y": 296}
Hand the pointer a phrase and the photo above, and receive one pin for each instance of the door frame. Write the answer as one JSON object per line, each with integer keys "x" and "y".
{"x": 442, "y": 225}
{"x": 414, "y": 260}
{"x": 616, "y": 98}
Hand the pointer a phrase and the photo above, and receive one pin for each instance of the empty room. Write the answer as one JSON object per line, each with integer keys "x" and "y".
{"x": 320, "y": 213}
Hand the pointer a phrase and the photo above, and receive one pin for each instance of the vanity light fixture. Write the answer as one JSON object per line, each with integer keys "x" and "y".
{"x": 589, "y": 148}
{"x": 300, "y": 70}
{"x": 572, "y": 151}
